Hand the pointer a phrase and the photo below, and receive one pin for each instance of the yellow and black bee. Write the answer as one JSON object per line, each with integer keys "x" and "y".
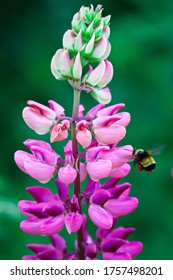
{"x": 144, "y": 160}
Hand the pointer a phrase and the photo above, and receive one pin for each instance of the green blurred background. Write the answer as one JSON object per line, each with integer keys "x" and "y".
{"x": 142, "y": 55}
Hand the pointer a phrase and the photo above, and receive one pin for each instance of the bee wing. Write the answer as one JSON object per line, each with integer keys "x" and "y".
{"x": 156, "y": 151}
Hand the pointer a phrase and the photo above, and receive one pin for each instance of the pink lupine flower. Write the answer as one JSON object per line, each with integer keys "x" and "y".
{"x": 121, "y": 206}
{"x": 57, "y": 250}
{"x": 83, "y": 135}
{"x": 121, "y": 171}
{"x": 114, "y": 246}
{"x": 73, "y": 221}
{"x": 46, "y": 216}
{"x": 53, "y": 251}
{"x": 41, "y": 164}
{"x": 108, "y": 201}
{"x": 59, "y": 110}
{"x": 118, "y": 155}
{"x": 107, "y": 131}
{"x": 96, "y": 167}
{"x": 100, "y": 216}
{"x": 67, "y": 174}
{"x": 60, "y": 131}
{"x": 38, "y": 117}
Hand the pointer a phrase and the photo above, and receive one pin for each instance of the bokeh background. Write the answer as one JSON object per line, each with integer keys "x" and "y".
{"x": 142, "y": 55}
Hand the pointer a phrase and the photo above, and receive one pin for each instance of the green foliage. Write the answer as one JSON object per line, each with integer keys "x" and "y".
{"x": 142, "y": 44}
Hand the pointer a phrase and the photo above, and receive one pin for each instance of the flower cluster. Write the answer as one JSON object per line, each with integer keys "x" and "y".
{"x": 92, "y": 154}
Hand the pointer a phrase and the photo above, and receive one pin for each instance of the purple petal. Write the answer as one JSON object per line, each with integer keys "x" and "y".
{"x": 133, "y": 248}
{"x": 41, "y": 194}
{"x": 30, "y": 258}
{"x": 37, "y": 248}
{"x": 111, "y": 244}
{"x": 91, "y": 250}
{"x": 92, "y": 186}
{"x": 119, "y": 189}
{"x": 50, "y": 254}
{"x": 62, "y": 190}
{"x": 24, "y": 204}
{"x": 53, "y": 225}
{"x": 121, "y": 232}
{"x": 58, "y": 242}
{"x": 116, "y": 256}
{"x": 53, "y": 208}
{"x": 100, "y": 196}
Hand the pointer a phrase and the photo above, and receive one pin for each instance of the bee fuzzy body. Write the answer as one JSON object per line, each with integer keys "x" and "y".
{"x": 144, "y": 160}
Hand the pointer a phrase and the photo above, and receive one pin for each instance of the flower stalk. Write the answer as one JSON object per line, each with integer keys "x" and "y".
{"x": 77, "y": 191}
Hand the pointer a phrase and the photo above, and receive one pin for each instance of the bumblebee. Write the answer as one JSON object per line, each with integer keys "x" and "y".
{"x": 144, "y": 160}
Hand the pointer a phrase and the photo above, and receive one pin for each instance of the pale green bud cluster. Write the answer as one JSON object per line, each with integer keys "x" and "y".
{"x": 85, "y": 43}
{"x": 89, "y": 34}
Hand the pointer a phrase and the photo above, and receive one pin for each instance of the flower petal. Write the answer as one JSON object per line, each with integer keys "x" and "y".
{"x": 100, "y": 217}
{"x": 121, "y": 206}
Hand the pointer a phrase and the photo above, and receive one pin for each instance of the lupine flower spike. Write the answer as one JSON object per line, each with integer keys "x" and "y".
{"x": 91, "y": 152}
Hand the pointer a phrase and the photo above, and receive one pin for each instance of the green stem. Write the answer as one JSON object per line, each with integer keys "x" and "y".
{"x": 80, "y": 234}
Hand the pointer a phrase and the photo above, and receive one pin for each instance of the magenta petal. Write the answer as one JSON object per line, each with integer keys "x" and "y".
{"x": 100, "y": 217}
{"x": 58, "y": 242}
{"x": 91, "y": 250}
{"x": 73, "y": 221}
{"x": 100, "y": 197}
{"x": 121, "y": 206}
{"x": 24, "y": 204}
{"x": 121, "y": 232}
{"x": 41, "y": 194}
{"x": 111, "y": 110}
{"x": 116, "y": 256}
{"x": 30, "y": 258}
{"x": 53, "y": 225}
{"x": 111, "y": 244}
{"x": 36, "y": 248}
{"x": 32, "y": 226}
{"x": 50, "y": 254}
{"x": 133, "y": 248}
